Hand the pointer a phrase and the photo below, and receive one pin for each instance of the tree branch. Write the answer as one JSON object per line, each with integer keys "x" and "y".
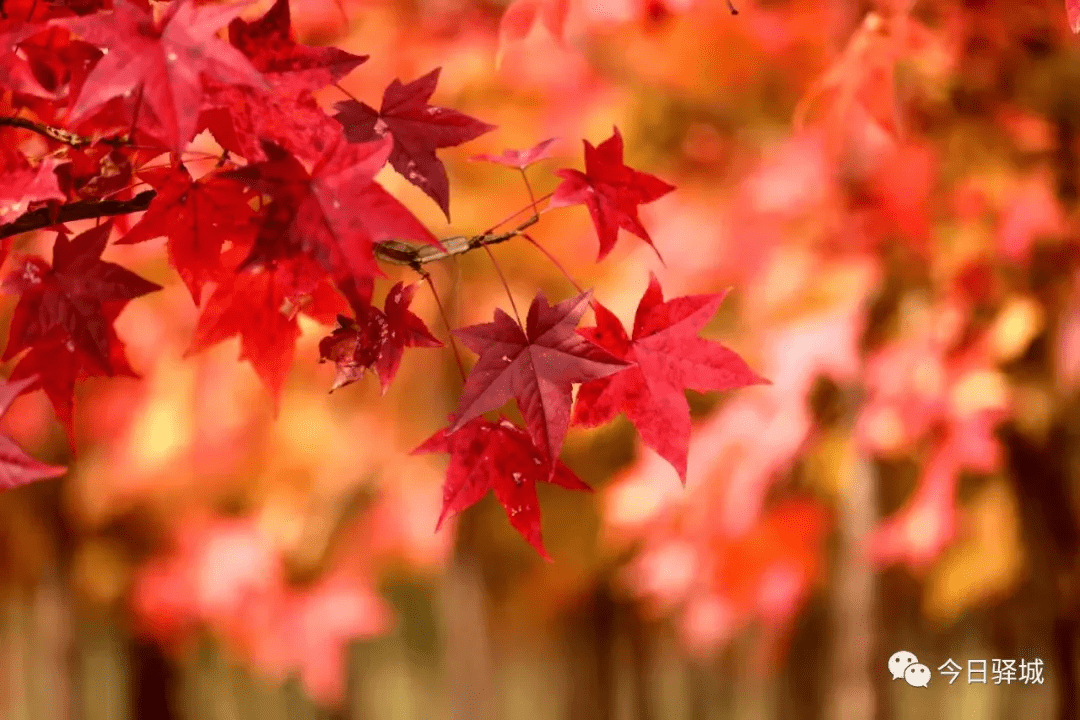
{"x": 415, "y": 255}
{"x": 44, "y": 217}
{"x": 59, "y": 134}
{"x": 396, "y": 252}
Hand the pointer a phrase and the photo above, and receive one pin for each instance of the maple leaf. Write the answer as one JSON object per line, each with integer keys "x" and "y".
{"x": 519, "y": 159}
{"x": 376, "y": 339}
{"x": 164, "y": 62}
{"x": 668, "y": 357}
{"x": 611, "y": 190}
{"x": 536, "y": 365}
{"x": 1072, "y": 11}
{"x": 291, "y": 68}
{"x": 197, "y": 217}
{"x": 14, "y": 72}
{"x": 503, "y": 458}
{"x": 95, "y": 172}
{"x": 336, "y": 213}
{"x": 260, "y": 304}
{"x": 24, "y": 184}
{"x": 58, "y": 63}
{"x": 80, "y": 294}
{"x": 16, "y": 466}
{"x": 242, "y": 117}
{"x": 57, "y": 363}
{"x": 418, "y": 130}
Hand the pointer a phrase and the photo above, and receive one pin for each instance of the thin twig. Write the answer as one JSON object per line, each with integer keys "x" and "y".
{"x": 446, "y": 323}
{"x": 554, "y": 260}
{"x": 532, "y": 197}
{"x": 60, "y": 134}
{"x": 506, "y": 285}
{"x": 518, "y": 212}
{"x": 351, "y": 96}
{"x": 415, "y": 255}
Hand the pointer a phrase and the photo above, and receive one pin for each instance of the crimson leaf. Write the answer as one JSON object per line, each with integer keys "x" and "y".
{"x": 80, "y": 295}
{"x": 499, "y": 457}
{"x": 536, "y": 365}
{"x": 335, "y": 214}
{"x": 611, "y": 190}
{"x": 16, "y": 467}
{"x": 418, "y": 130}
{"x": 163, "y": 61}
{"x": 376, "y": 339}
{"x": 669, "y": 357}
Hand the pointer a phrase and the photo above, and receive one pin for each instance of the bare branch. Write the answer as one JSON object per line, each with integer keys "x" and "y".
{"x": 44, "y": 217}
{"x": 396, "y": 252}
{"x": 415, "y": 255}
{"x": 59, "y": 134}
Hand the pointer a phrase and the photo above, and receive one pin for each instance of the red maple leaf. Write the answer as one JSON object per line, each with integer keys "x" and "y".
{"x": 668, "y": 357}
{"x": 536, "y": 365}
{"x": 80, "y": 296}
{"x": 197, "y": 217}
{"x": 59, "y": 64}
{"x": 335, "y": 214}
{"x": 418, "y": 130}
{"x": 95, "y": 172}
{"x": 611, "y": 190}
{"x": 23, "y": 184}
{"x": 242, "y": 117}
{"x": 259, "y": 303}
{"x": 57, "y": 363}
{"x": 163, "y": 61}
{"x": 519, "y": 159}
{"x": 376, "y": 339}
{"x": 291, "y": 68}
{"x": 503, "y": 458}
{"x": 14, "y": 71}
{"x": 16, "y": 467}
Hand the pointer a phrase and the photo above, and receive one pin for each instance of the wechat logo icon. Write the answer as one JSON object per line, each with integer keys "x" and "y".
{"x": 903, "y": 665}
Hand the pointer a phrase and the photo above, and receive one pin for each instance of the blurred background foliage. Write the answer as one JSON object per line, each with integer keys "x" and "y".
{"x": 889, "y": 189}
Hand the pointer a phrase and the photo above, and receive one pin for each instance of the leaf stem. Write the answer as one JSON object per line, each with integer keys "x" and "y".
{"x": 515, "y": 214}
{"x": 532, "y": 197}
{"x": 446, "y": 323}
{"x": 506, "y": 286}
{"x": 553, "y": 260}
{"x": 349, "y": 94}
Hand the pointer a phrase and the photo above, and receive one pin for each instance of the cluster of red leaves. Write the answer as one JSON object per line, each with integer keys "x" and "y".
{"x": 917, "y": 394}
{"x": 719, "y": 554}
{"x": 287, "y": 222}
{"x": 225, "y": 574}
